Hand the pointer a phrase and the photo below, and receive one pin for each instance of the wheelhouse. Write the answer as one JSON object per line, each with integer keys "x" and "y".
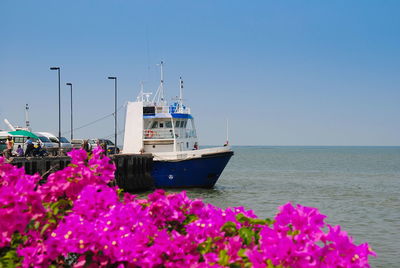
{"x": 166, "y": 132}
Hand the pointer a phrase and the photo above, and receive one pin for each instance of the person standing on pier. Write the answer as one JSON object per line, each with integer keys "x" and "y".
{"x": 29, "y": 147}
{"x": 86, "y": 146}
{"x": 10, "y": 146}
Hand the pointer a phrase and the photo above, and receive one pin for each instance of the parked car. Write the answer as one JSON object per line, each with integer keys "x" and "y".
{"x": 111, "y": 149}
{"x": 66, "y": 146}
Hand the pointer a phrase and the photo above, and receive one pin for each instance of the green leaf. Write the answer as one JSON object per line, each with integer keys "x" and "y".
{"x": 223, "y": 258}
{"x": 47, "y": 225}
{"x": 17, "y": 239}
{"x": 242, "y": 253}
{"x": 36, "y": 225}
{"x": 270, "y": 265}
{"x": 246, "y": 234}
{"x": 229, "y": 228}
{"x": 10, "y": 259}
{"x": 293, "y": 233}
{"x": 269, "y": 221}
{"x": 56, "y": 210}
{"x": 54, "y": 205}
{"x": 190, "y": 218}
{"x": 205, "y": 247}
{"x": 242, "y": 218}
{"x": 261, "y": 222}
{"x": 257, "y": 237}
{"x": 120, "y": 193}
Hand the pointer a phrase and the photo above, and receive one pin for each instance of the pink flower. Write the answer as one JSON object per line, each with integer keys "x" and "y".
{"x": 75, "y": 211}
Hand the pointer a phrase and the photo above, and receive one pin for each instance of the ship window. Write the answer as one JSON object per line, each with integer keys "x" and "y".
{"x": 18, "y": 139}
{"x": 161, "y": 125}
{"x": 183, "y": 124}
{"x": 178, "y": 124}
{"x": 187, "y": 145}
{"x": 154, "y": 125}
{"x": 168, "y": 124}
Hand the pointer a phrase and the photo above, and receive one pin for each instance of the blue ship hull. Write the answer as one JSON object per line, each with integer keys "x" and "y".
{"x": 197, "y": 172}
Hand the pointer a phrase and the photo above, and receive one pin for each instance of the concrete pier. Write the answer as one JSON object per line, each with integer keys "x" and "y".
{"x": 133, "y": 171}
{"x": 42, "y": 165}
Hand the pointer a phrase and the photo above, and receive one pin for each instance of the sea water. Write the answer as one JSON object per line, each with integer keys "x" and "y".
{"x": 358, "y": 188}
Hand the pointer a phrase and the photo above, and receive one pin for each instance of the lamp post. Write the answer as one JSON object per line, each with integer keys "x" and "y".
{"x": 72, "y": 136}
{"x": 59, "y": 107}
{"x": 115, "y": 110}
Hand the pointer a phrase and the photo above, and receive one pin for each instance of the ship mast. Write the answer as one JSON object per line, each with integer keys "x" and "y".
{"x": 141, "y": 93}
{"x": 159, "y": 96}
{"x": 27, "y": 123}
{"x": 180, "y": 94}
{"x": 141, "y": 90}
{"x": 180, "y": 89}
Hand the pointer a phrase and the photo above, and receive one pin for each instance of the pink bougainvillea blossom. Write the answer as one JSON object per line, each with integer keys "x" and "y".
{"x": 76, "y": 219}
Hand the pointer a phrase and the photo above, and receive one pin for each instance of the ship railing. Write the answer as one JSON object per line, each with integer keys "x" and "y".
{"x": 157, "y": 134}
{"x": 169, "y": 109}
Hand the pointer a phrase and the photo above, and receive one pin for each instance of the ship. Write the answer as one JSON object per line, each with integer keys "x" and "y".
{"x": 168, "y": 133}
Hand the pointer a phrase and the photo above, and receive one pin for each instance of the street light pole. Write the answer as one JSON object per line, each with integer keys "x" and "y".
{"x": 72, "y": 136}
{"x": 59, "y": 107}
{"x": 115, "y": 111}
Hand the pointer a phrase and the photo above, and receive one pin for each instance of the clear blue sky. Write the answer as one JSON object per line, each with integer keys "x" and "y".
{"x": 283, "y": 72}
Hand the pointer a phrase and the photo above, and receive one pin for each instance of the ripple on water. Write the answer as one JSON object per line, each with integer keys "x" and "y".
{"x": 356, "y": 187}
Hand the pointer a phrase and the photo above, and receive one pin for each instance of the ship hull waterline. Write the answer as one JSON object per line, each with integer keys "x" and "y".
{"x": 202, "y": 172}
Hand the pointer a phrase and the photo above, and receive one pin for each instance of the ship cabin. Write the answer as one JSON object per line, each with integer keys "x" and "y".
{"x": 168, "y": 129}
